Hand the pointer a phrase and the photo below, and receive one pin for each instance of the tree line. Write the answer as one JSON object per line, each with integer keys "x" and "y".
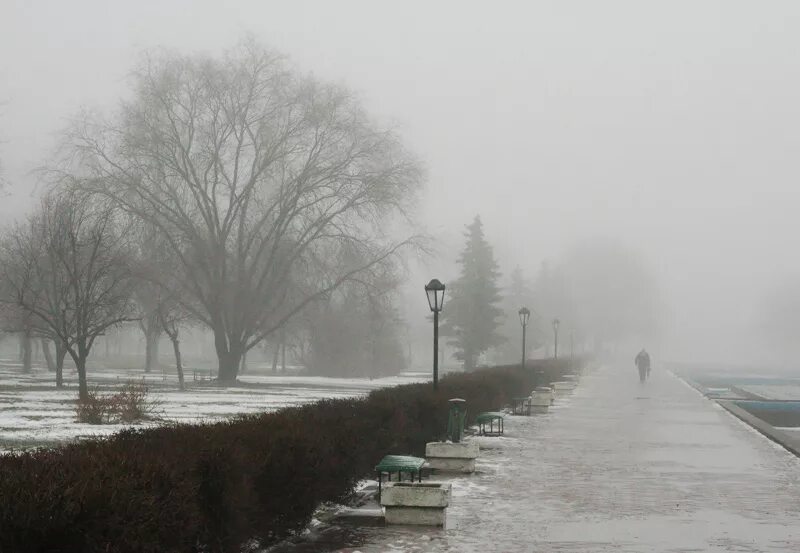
{"x": 233, "y": 193}
{"x": 602, "y": 293}
{"x": 237, "y": 195}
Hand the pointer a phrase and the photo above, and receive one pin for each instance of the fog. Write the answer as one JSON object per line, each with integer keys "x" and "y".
{"x": 665, "y": 130}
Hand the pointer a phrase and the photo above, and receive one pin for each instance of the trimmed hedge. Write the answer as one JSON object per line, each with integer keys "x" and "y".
{"x": 214, "y": 487}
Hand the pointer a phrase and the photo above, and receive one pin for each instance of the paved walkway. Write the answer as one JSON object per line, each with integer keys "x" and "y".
{"x": 620, "y": 467}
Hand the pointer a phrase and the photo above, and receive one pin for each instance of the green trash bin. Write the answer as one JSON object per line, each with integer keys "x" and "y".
{"x": 456, "y": 419}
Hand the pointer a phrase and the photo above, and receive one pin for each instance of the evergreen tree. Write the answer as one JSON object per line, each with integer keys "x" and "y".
{"x": 356, "y": 333}
{"x": 519, "y": 295}
{"x": 356, "y": 330}
{"x": 472, "y": 316}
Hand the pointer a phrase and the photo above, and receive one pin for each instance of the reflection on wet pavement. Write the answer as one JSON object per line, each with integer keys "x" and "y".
{"x": 619, "y": 466}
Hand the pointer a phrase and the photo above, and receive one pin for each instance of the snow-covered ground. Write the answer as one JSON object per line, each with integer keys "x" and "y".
{"x": 33, "y": 412}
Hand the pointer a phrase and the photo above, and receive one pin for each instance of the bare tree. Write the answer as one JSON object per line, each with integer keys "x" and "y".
{"x": 148, "y": 298}
{"x": 18, "y": 322}
{"x": 48, "y": 355}
{"x": 66, "y": 268}
{"x": 256, "y": 177}
{"x": 172, "y": 317}
{"x": 355, "y": 331}
{"x": 156, "y": 292}
{"x": 15, "y": 320}
{"x": 152, "y": 258}
{"x": 26, "y": 346}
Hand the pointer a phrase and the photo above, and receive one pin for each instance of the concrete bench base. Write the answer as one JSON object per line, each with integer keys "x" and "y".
{"x": 545, "y": 391}
{"x": 540, "y": 402}
{"x": 449, "y": 450}
{"x": 563, "y": 387}
{"x": 444, "y": 464}
{"x": 417, "y": 503}
{"x": 450, "y": 457}
{"x": 416, "y": 516}
{"x": 359, "y": 517}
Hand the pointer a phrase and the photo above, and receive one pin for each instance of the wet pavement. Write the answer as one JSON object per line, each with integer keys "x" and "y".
{"x": 618, "y": 466}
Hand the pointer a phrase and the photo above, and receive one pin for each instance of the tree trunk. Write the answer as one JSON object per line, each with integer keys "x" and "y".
{"x": 27, "y": 350}
{"x": 152, "y": 336}
{"x": 283, "y": 355}
{"x": 275, "y": 358}
{"x": 228, "y": 366}
{"x": 243, "y": 363}
{"x": 229, "y": 356}
{"x": 61, "y": 352}
{"x": 83, "y": 388}
{"x": 48, "y": 355}
{"x": 176, "y": 347}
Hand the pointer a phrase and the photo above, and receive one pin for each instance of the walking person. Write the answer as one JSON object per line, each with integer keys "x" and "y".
{"x": 642, "y": 362}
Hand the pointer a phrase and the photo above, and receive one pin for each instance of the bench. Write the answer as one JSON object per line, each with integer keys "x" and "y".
{"x": 489, "y": 418}
{"x": 521, "y": 406}
{"x": 398, "y": 464}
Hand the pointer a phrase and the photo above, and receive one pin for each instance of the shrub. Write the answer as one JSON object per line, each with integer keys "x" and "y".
{"x": 94, "y": 409}
{"x": 213, "y": 487}
{"x": 131, "y": 404}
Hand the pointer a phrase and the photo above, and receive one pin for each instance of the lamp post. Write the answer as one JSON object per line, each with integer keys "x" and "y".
{"x": 524, "y": 315}
{"x": 435, "y": 292}
{"x": 556, "y": 322}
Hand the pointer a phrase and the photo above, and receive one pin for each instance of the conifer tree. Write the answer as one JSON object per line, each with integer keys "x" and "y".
{"x": 472, "y": 315}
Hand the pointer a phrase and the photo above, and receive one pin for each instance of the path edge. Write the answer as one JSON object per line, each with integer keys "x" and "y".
{"x": 789, "y": 443}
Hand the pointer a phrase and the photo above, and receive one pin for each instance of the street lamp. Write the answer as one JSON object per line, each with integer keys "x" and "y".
{"x": 556, "y": 322}
{"x": 435, "y": 292}
{"x": 524, "y": 315}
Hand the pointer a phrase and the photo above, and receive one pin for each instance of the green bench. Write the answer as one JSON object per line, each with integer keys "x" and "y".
{"x": 490, "y": 418}
{"x": 398, "y": 464}
{"x": 521, "y": 406}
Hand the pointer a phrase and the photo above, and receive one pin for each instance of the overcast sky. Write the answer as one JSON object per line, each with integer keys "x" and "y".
{"x": 671, "y": 126}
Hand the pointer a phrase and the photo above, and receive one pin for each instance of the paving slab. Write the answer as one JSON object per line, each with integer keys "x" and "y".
{"x": 620, "y": 466}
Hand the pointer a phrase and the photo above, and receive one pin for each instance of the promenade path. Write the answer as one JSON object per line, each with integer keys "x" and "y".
{"x": 623, "y": 467}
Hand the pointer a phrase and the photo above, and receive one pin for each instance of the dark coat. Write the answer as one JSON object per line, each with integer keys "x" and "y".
{"x": 643, "y": 360}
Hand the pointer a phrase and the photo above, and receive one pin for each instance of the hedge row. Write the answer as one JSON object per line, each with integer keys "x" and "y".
{"x": 214, "y": 487}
